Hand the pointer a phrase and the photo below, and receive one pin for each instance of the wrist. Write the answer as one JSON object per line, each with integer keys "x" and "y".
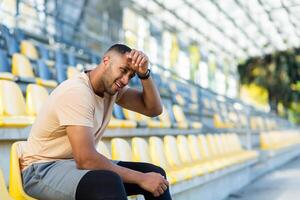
{"x": 145, "y": 75}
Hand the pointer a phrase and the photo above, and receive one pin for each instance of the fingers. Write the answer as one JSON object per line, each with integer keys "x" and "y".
{"x": 138, "y": 58}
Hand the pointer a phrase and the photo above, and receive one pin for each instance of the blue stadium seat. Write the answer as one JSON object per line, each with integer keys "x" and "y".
{"x": 118, "y": 112}
{"x": 19, "y": 34}
{"x": 4, "y": 63}
{"x": 5, "y": 67}
{"x": 95, "y": 59}
{"x": 71, "y": 59}
{"x": 43, "y": 51}
{"x": 12, "y": 45}
{"x": 4, "y": 31}
{"x": 61, "y": 74}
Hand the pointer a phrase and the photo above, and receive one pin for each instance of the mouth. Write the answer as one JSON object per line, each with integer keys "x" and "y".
{"x": 119, "y": 85}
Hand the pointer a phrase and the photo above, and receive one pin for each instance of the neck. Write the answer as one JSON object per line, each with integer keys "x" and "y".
{"x": 95, "y": 77}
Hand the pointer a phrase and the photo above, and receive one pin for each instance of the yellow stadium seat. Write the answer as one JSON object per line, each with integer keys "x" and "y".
{"x": 15, "y": 180}
{"x": 165, "y": 118}
{"x": 194, "y": 147}
{"x": 142, "y": 119}
{"x": 219, "y": 123}
{"x": 207, "y": 153}
{"x": 46, "y": 83}
{"x": 158, "y": 157}
{"x": 120, "y": 123}
{"x": 8, "y": 76}
{"x": 215, "y": 152}
{"x": 4, "y": 195}
{"x": 120, "y": 150}
{"x": 173, "y": 158}
{"x": 181, "y": 119}
{"x": 114, "y": 123}
{"x": 28, "y": 50}
{"x": 185, "y": 154}
{"x": 12, "y": 106}
{"x": 140, "y": 150}
{"x": 36, "y": 96}
{"x": 21, "y": 66}
{"x": 102, "y": 148}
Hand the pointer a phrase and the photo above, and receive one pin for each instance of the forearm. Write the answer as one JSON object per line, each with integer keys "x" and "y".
{"x": 100, "y": 162}
{"x": 151, "y": 97}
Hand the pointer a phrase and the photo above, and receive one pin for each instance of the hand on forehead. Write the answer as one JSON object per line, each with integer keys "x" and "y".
{"x": 136, "y": 59}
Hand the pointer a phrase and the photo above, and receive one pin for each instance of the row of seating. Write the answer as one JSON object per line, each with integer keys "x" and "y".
{"x": 183, "y": 157}
{"x": 275, "y": 140}
{"x": 15, "y": 111}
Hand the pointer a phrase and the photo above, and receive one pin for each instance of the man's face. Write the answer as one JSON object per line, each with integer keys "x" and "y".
{"x": 117, "y": 74}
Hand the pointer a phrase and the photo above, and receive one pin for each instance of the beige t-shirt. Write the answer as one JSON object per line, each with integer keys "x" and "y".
{"x": 73, "y": 102}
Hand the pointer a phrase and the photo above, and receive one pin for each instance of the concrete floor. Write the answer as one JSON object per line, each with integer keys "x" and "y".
{"x": 281, "y": 184}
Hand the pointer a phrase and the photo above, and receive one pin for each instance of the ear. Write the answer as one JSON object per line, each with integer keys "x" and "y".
{"x": 106, "y": 60}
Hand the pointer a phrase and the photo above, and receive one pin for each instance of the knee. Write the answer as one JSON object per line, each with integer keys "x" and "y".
{"x": 113, "y": 179}
{"x": 158, "y": 169}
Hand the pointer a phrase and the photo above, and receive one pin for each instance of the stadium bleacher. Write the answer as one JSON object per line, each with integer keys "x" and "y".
{"x": 198, "y": 139}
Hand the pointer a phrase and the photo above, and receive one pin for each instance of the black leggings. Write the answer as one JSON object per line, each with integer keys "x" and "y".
{"x": 107, "y": 185}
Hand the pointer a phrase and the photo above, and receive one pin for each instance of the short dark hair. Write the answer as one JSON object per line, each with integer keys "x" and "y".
{"x": 120, "y": 48}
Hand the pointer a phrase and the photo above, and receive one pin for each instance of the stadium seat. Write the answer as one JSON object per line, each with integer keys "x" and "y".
{"x": 12, "y": 45}
{"x": 61, "y": 74}
{"x": 158, "y": 157}
{"x": 36, "y": 96}
{"x": 197, "y": 156}
{"x": 15, "y": 178}
{"x": 185, "y": 154}
{"x": 22, "y": 68}
{"x": 44, "y": 75}
{"x": 5, "y": 67}
{"x": 120, "y": 149}
{"x": 4, "y": 195}
{"x": 115, "y": 123}
{"x": 28, "y": 50}
{"x": 181, "y": 119}
{"x": 173, "y": 157}
{"x": 219, "y": 122}
{"x": 12, "y": 106}
{"x": 44, "y": 55}
{"x": 102, "y": 148}
{"x": 165, "y": 118}
{"x": 118, "y": 113}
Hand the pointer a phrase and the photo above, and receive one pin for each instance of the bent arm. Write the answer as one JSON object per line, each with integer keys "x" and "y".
{"x": 147, "y": 102}
{"x": 87, "y": 157}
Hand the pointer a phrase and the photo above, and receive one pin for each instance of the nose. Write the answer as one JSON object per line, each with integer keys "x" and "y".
{"x": 125, "y": 79}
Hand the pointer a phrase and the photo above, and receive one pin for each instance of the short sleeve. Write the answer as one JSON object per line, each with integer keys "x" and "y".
{"x": 121, "y": 92}
{"x": 75, "y": 107}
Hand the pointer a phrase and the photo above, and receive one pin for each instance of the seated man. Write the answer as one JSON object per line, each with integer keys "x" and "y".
{"x": 59, "y": 159}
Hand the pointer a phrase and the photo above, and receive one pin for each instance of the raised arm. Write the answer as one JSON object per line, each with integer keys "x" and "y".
{"x": 148, "y": 101}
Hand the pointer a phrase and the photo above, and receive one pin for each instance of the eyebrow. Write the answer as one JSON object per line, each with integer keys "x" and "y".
{"x": 129, "y": 69}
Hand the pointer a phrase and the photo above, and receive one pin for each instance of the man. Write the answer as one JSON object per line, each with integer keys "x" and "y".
{"x": 59, "y": 159}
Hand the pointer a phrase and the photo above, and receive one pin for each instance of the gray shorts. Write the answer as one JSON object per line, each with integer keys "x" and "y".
{"x": 53, "y": 180}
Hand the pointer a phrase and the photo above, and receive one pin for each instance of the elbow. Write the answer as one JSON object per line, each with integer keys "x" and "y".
{"x": 156, "y": 111}
{"x": 83, "y": 163}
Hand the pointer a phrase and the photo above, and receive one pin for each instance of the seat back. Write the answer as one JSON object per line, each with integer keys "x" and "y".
{"x": 194, "y": 147}
{"x": 21, "y": 66}
{"x": 203, "y": 147}
{"x": 212, "y": 145}
{"x": 36, "y": 96}
{"x": 102, "y": 148}
{"x": 171, "y": 151}
{"x": 43, "y": 70}
{"x": 4, "y": 195}
{"x": 4, "y": 64}
{"x": 15, "y": 180}
{"x": 184, "y": 149}
{"x": 120, "y": 149}
{"x": 157, "y": 152}
{"x": 178, "y": 114}
{"x": 140, "y": 150}
{"x": 28, "y": 50}
{"x": 12, "y": 102}
{"x": 130, "y": 115}
{"x": 118, "y": 112}
{"x": 164, "y": 116}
